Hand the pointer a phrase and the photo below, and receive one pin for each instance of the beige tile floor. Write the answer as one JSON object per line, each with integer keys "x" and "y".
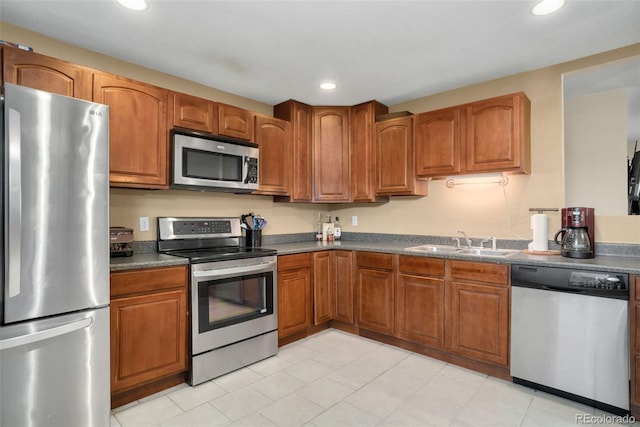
{"x": 337, "y": 379}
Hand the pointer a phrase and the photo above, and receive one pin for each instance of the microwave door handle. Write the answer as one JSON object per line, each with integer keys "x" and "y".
{"x": 14, "y": 202}
{"x": 245, "y": 169}
{"x": 229, "y": 271}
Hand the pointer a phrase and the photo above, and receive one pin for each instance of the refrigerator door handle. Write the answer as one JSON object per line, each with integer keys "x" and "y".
{"x": 45, "y": 334}
{"x": 15, "y": 203}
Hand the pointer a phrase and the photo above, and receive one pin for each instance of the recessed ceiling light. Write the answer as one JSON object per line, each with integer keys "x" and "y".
{"x": 545, "y": 7}
{"x": 134, "y": 4}
{"x": 327, "y": 85}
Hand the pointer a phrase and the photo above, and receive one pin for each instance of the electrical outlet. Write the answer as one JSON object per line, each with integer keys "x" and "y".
{"x": 144, "y": 223}
{"x": 354, "y": 220}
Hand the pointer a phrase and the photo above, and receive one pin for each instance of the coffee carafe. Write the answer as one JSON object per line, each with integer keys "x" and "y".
{"x": 577, "y": 233}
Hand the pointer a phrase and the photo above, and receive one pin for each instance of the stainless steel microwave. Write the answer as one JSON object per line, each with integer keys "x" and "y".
{"x": 206, "y": 162}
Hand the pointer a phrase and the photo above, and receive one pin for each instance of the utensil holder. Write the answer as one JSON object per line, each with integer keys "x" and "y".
{"x": 253, "y": 238}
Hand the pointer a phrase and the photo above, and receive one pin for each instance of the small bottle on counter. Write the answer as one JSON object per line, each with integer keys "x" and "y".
{"x": 337, "y": 230}
{"x": 319, "y": 228}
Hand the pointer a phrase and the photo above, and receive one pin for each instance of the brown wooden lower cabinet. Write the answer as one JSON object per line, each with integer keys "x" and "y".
{"x": 375, "y": 292}
{"x": 420, "y": 300}
{"x": 294, "y": 294}
{"x": 148, "y": 331}
{"x": 323, "y": 280}
{"x": 480, "y": 311}
{"x": 343, "y": 287}
{"x": 454, "y": 310}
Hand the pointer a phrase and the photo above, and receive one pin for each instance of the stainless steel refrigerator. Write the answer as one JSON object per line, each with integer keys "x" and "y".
{"x": 54, "y": 330}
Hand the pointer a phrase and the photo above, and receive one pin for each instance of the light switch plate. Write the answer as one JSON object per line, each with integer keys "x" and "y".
{"x": 354, "y": 220}
{"x": 144, "y": 223}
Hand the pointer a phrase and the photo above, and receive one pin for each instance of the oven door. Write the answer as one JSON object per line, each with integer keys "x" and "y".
{"x": 232, "y": 301}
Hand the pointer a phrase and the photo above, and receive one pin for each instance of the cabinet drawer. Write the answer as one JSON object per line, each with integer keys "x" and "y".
{"x": 374, "y": 260}
{"x": 294, "y": 262}
{"x": 637, "y": 289}
{"x": 481, "y": 272}
{"x": 421, "y": 265}
{"x": 154, "y": 279}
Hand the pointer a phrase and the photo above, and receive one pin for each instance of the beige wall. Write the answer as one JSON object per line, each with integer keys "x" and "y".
{"x": 596, "y": 151}
{"x": 478, "y": 209}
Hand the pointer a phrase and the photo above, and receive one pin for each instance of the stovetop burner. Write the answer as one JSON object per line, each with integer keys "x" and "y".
{"x": 205, "y": 239}
{"x": 222, "y": 254}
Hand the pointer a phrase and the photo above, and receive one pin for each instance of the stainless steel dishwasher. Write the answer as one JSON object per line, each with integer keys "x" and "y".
{"x": 570, "y": 334}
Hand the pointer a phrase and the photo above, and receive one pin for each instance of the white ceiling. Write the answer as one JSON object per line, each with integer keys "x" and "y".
{"x": 392, "y": 51}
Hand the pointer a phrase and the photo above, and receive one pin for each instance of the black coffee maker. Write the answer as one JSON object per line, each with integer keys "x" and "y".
{"x": 577, "y": 233}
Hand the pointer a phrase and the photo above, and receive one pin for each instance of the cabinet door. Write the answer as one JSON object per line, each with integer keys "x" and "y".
{"x": 343, "y": 287}
{"x": 375, "y": 292}
{"x": 148, "y": 337}
{"x": 394, "y": 159}
{"x": 299, "y": 115}
{"x": 497, "y": 134}
{"x": 191, "y": 112}
{"x": 363, "y": 119}
{"x": 235, "y": 122}
{"x": 437, "y": 137}
{"x": 294, "y": 295}
{"x": 331, "y": 154}
{"x": 420, "y": 309}
{"x": 273, "y": 137}
{"x": 44, "y": 73}
{"x": 138, "y": 146}
{"x": 323, "y": 280}
{"x": 480, "y": 322}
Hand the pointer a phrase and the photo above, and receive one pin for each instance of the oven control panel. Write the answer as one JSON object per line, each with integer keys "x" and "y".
{"x": 201, "y": 227}
{"x": 197, "y": 228}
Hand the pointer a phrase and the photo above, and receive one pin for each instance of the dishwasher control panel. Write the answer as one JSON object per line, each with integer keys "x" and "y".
{"x": 603, "y": 284}
{"x": 589, "y": 280}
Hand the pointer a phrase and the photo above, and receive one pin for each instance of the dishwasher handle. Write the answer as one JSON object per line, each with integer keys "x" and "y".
{"x": 568, "y": 291}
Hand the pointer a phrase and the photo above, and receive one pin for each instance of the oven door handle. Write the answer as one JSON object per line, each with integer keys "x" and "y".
{"x": 265, "y": 266}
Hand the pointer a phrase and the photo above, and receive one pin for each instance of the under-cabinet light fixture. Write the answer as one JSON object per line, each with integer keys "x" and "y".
{"x": 485, "y": 178}
{"x": 545, "y": 7}
{"x": 134, "y": 4}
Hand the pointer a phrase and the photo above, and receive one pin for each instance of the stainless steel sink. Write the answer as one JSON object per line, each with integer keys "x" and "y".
{"x": 488, "y": 252}
{"x": 433, "y": 248}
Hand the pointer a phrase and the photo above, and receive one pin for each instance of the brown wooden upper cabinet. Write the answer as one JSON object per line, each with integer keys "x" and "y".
{"x": 300, "y": 116}
{"x": 331, "y": 154}
{"x": 138, "y": 148}
{"x": 274, "y": 140}
{"x": 45, "y": 73}
{"x": 437, "y": 136}
{"x": 363, "y": 151}
{"x": 235, "y": 122}
{"x": 491, "y": 135}
{"x": 191, "y": 112}
{"x": 394, "y": 159}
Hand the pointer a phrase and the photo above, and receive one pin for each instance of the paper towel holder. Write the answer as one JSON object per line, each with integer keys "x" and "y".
{"x": 542, "y": 210}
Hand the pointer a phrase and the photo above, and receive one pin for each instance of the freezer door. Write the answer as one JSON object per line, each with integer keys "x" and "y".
{"x": 55, "y": 372}
{"x": 56, "y": 191}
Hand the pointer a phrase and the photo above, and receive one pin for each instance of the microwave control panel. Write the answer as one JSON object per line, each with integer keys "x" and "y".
{"x": 252, "y": 170}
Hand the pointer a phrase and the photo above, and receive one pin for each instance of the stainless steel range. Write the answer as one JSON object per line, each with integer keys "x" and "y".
{"x": 233, "y": 294}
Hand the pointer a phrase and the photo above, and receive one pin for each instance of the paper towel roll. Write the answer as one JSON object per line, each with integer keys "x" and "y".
{"x": 540, "y": 227}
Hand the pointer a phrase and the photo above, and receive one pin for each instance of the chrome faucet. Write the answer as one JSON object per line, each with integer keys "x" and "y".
{"x": 489, "y": 239}
{"x": 467, "y": 240}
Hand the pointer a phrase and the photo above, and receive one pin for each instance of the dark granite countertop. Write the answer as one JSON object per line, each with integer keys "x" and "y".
{"x": 145, "y": 260}
{"x": 621, "y": 264}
